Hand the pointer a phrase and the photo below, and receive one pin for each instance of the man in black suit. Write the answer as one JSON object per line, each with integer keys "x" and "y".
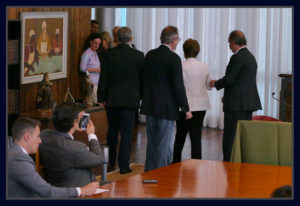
{"x": 240, "y": 91}
{"x": 66, "y": 162}
{"x": 119, "y": 92}
{"x": 163, "y": 96}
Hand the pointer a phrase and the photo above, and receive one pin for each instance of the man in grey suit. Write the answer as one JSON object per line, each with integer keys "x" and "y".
{"x": 66, "y": 162}
{"x": 23, "y": 180}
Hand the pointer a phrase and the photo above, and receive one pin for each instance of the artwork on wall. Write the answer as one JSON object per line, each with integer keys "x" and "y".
{"x": 44, "y": 45}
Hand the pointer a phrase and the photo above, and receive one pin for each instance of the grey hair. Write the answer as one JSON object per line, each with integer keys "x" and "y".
{"x": 168, "y": 34}
{"x": 124, "y": 34}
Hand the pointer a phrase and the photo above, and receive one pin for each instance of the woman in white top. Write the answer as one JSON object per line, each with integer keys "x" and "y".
{"x": 90, "y": 63}
{"x": 196, "y": 81}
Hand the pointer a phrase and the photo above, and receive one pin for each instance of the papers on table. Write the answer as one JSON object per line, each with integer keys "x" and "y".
{"x": 101, "y": 190}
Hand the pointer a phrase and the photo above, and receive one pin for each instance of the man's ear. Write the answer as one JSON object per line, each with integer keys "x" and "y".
{"x": 26, "y": 136}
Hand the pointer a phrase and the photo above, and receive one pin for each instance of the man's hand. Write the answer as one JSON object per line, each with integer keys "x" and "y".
{"x": 90, "y": 128}
{"x": 212, "y": 83}
{"x": 102, "y": 104}
{"x": 188, "y": 115}
{"x": 222, "y": 99}
{"x": 89, "y": 189}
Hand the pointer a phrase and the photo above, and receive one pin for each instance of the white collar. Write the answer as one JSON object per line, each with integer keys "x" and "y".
{"x": 240, "y": 49}
{"x": 23, "y": 150}
{"x": 167, "y": 46}
{"x": 71, "y": 136}
{"x": 190, "y": 59}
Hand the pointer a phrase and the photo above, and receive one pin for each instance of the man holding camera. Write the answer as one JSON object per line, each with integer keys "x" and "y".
{"x": 66, "y": 162}
{"x": 23, "y": 181}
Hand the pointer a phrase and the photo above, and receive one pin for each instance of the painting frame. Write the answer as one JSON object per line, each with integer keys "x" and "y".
{"x": 44, "y": 45}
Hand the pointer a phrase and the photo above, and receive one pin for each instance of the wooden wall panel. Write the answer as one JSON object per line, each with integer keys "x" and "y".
{"x": 78, "y": 31}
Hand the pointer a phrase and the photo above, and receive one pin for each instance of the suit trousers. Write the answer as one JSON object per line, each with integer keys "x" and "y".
{"x": 194, "y": 128}
{"x": 230, "y": 124}
{"x": 160, "y": 139}
{"x": 120, "y": 120}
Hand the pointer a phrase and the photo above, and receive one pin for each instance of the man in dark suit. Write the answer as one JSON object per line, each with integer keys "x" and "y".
{"x": 66, "y": 162}
{"x": 240, "y": 91}
{"x": 23, "y": 180}
{"x": 163, "y": 95}
{"x": 119, "y": 92}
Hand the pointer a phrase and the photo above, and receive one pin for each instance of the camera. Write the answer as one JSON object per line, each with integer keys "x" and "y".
{"x": 84, "y": 120}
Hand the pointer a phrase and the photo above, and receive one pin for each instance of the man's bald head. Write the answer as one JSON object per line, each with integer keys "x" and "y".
{"x": 238, "y": 37}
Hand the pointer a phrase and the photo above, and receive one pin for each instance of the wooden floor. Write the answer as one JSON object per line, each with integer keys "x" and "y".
{"x": 211, "y": 145}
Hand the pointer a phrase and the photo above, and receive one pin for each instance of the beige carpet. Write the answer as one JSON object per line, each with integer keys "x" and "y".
{"x": 115, "y": 175}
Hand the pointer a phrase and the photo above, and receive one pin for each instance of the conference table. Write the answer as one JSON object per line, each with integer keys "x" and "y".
{"x": 202, "y": 179}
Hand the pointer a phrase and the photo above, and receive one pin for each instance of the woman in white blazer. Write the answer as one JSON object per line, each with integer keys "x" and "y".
{"x": 196, "y": 81}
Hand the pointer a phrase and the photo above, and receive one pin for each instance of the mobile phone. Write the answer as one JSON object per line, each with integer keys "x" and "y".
{"x": 84, "y": 120}
{"x": 150, "y": 181}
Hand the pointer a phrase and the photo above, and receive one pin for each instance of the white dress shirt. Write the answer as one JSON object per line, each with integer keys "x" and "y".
{"x": 240, "y": 49}
{"x": 196, "y": 81}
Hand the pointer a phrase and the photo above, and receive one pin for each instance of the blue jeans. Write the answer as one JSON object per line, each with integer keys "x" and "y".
{"x": 160, "y": 140}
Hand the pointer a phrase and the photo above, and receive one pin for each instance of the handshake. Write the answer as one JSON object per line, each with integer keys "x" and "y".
{"x": 212, "y": 83}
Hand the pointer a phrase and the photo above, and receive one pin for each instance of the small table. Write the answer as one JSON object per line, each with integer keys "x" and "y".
{"x": 263, "y": 142}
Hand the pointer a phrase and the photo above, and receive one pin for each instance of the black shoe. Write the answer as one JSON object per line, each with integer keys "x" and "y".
{"x": 125, "y": 171}
{"x": 111, "y": 168}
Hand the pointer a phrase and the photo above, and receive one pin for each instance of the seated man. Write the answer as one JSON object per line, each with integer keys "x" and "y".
{"x": 23, "y": 179}
{"x": 66, "y": 162}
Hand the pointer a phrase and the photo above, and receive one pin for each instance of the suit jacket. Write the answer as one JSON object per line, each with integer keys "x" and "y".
{"x": 163, "y": 92}
{"x": 239, "y": 83}
{"x": 196, "y": 81}
{"x": 119, "y": 83}
{"x": 24, "y": 181}
{"x": 68, "y": 163}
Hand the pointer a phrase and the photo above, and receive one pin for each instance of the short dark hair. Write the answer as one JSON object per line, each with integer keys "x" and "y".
{"x": 283, "y": 191}
{"x": 64, "y": 116}
{"x": 94, "y": 22}
{"x": 94, "y": 36}
{"x": 124, "y": 34}
{"x": 191, "y": 48}
{"x": 168, "y": 34}
{"x": 238, "y": 37}
{"x": 23, "y": 125}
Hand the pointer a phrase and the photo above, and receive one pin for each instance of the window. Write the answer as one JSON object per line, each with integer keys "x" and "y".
{"x": 120, "y": 17}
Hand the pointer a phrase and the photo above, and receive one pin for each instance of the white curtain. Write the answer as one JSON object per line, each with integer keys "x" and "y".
{"x": 269, "y": 35}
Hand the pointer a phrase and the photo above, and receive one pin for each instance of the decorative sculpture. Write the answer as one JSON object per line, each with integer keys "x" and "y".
{"x": 44, "y": 100}
{"x": 68, "y": 96}
{"x": 88, "y": 91}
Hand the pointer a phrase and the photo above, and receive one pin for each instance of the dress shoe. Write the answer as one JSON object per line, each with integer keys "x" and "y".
{"x": 125, "y": 171}
{"x": 111, "y": 168}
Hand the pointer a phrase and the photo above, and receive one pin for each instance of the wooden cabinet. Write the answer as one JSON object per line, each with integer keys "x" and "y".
{"x": 13, "y": 70}
{"x": 286, "y": 105}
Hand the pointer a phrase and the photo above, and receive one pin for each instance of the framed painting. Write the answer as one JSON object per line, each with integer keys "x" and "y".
{"x": 44, "y": 45}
